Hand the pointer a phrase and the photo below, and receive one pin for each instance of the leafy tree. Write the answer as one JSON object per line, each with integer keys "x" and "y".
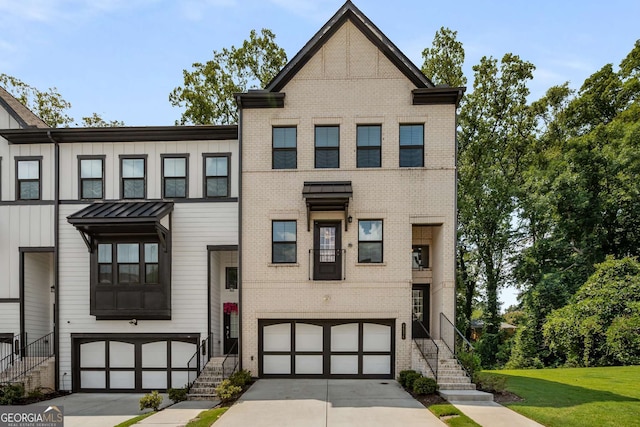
{"x": 208, "y": 90}
{"x": 443, "y": 61}
{"x": 96, "y": 121}
{"x": 601, "y": 324}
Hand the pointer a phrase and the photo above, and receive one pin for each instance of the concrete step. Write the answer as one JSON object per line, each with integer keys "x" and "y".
{"x": 202, "y": 397}
{"x": 454, "y": 379}
{"x": 466, "y": 396}
{"x": 456, "y": 386}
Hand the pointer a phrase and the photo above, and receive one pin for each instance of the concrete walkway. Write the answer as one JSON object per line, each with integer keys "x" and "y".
{"x": 492, "y": 414}
{"x": 178, "y": 414}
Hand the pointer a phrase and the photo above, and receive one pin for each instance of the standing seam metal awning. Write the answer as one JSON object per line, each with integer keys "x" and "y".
{"x": 327, "y": 196}
{"x": 107, "y": 218}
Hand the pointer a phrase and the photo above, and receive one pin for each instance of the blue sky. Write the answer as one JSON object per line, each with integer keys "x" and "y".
{"x": 122, "y": 58}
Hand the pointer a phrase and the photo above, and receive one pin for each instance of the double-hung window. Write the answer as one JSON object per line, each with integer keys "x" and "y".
{"x": 231, "y": 278}
{"x": 135, "y": 263}
{"x": 216, "y": 175}
{"x": 370, "y": 241}
{"x": 411, "y": 145}
{"x": 368, "y": 142}
{"x": 284, "y": 148}
{"x": 284, "y": 246}
{"x": 327, "y": 142}
{"x": 91, "y": 177}
{"x": 133, "y": 172}
{"x": 28, "y": 171}
{"x": 175, "y": 169}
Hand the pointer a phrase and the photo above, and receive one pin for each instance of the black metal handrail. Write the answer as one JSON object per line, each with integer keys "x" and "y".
{"x": 450, "y": 334}
{"x": 431, "y": 357}
{"x": 194, "y": 367}
{"x": 231, "y": 358}
{"x": 28, "y": 358}
{"x": 326, "y": 256}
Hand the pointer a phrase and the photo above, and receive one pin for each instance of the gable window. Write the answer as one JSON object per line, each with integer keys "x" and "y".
{"x": 327, "y": 153}
{"x": 133, "y": 172}
{"x": 368, "y": 141}
{"x": 28, "y": 178}
{"x": 216, "y": 175}
{"x": 284, "y": 247}
{"x": 370, "y": 241}
{"x": 284, "y": 148}
{"x": 174, "y": 175}
{"x": 91, "y": 177}
{"x": 231, "y": 278}
{"x": 411, "y": 146}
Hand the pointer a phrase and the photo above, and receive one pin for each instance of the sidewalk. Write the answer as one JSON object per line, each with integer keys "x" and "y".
{"x": 492, "y": 414}
{"x": 179, "y": 414}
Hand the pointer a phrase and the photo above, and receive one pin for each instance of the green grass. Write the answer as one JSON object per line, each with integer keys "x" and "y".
{"x": 132, "y": 421}
{"x": 206, "y": 418}
{"x": 577, "y": 397}
{"x": 458, "y": 419}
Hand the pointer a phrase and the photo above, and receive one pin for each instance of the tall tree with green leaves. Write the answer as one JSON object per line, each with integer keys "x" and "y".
{"x": 208, "y": 89}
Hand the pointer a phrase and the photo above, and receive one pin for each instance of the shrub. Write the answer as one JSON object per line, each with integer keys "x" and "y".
{"x": 151, "y": 401}
{"x": 406, "y": 378}
{"x": 425, "y": 385}
{"x": 240, "y": 378}
{"x": 490, "y": 383}
{"x": 227, "y": 391}
{"x": 177, "y": 394}
{"x": 470, "y": 361}
{"x": 10, "y": 393}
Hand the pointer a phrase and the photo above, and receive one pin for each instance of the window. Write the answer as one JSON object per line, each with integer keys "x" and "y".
{"x": 91, "y": 177}
{"x": 231, "y": 278}
{"x": 411, "y": 146}
{"x": 327, "y": 147}
{"x": 420, "y": 257}
{"x": 216, "y": 175}
{"x": 370, "y": 241}
{"x": 28, "y": 182}
{"x": 368, "y": 140}
{"x": 130, "y": 263}
{"x": 284, "y": 242}
{"x": 284, "y": 148}
{"x": 133, "y": 172}
{"x": 174, "y": 176}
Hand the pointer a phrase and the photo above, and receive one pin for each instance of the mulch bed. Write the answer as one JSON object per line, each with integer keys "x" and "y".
{"x": 506, "y": 397}
{"x": 35, "y": 398}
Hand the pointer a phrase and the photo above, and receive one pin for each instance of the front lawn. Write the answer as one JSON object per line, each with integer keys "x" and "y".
{"x": 206, "y": 418}
{"x": 577, "y": 397}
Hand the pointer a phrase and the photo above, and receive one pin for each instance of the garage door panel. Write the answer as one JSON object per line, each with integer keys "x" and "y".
{"x": 277, "y": 337}
{"x": 309, "y": 365}
{"x": 181, "y": 353}
{"x": 122, "y": 355}
{"x": 92, "y": 355}
{"x": 122, "y": 379}
{"x": 179, "y": 379}
{"x": 344, "y": 337}
{"x": 376, "y": 365}
{"x": 154, "y": 379}
{"x": 344, "y": 365}
{"x": 309, "y": 337}
{"x": 93, "y": 379}
{"x": 275, "y": 364}
{"x": 376, "y": 337}
{"x": 154, "y": 355}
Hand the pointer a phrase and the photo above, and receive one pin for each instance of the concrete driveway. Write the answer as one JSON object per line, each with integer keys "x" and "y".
{"x": 99, "y": 409}
{"x": 331, "y": 403}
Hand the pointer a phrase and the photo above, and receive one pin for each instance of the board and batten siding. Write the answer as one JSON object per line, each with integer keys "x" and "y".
{"x": 194, "y": 226}
{"x": 10, "y": 318}
{"x": 38, "y": 299}
{"x": 7, "y": 121}
{"x": 112, "y": 151}
{"x": 8, "y": 167}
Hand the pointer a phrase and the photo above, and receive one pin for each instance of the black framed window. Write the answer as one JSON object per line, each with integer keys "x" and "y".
{"x": 231, "y": 278}
{"x": 285, "y": 148}
{"x": 284, "y": 245}
{"x": 370, "y": 241}
{"x": 368, "y": 142}
{"x": 175, "y": 169}
{"x": 411, "y": 146}
{"x": 91, "y": 177}
{"x": 28, "y": 184}
{"x": 327, "y": 143}
{"x": 133, "y": 172}
{"x": 216, "y": 175}
{"x": 420, "y": 257}
{"x": 105, "y": 263}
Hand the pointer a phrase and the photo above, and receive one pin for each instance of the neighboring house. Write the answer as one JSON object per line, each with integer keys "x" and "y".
{"x": 335, "y": 197}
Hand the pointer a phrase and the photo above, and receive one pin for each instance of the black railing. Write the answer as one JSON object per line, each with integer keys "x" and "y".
{"x": 230, "y": 362}
{"x": 197, "y": 363}
{"x": 450, "y": 335}
{"x": 428, "y": 348}
{"x": 318, "y": 257}
{"x": 26, "y": 359}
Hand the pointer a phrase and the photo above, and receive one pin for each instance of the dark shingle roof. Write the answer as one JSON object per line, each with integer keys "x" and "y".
{"x": 19, "y": 112}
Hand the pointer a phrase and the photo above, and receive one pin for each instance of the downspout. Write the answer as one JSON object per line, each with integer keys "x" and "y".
{"x": 239, "y": 102}
{"x": 56, "y": 275}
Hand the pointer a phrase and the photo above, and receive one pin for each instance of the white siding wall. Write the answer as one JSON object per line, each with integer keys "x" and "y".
{"x": 7, "y": 121}
{"x": 10, "y": 318}
{"x": 8, "y": 172}
{"x": 38, "y": 305}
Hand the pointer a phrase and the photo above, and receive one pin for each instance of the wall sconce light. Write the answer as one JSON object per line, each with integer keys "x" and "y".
{"x": 404, "y": 331}
{"x": 133, "y": 322}
{"x": 350, "y": 219}
{"x": 53, "y": 289}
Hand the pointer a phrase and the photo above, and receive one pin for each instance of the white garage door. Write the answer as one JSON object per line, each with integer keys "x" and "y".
{"x": 336, "y": 349}
{"x": 132, "y": 364}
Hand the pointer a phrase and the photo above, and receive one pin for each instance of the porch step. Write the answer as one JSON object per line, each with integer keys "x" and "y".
{"x": 456, "y": 386}
{"x": 463, "y": 395}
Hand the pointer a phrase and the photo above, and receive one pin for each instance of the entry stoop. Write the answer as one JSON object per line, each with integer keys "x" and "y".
{"x": 466, "y": 396}
{"x": 210, "y": 377}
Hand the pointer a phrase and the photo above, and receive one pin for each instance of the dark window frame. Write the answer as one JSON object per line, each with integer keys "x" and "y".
{"x": 318, "y": 149}
{"x": 81, "y": 179}
{"x": 184, "y": 156}
{"x": 381, "y": 242}
{"x": 275, "y": 243}
{"x": 278, "y": 150}
{"x": 368, "y": 148}
{"x": 123, "y": 157}
{"x": 423, "y": 252}
{"x": 205, "y": 156}
{"x": 228, "y": 284}
{"x": 19, "y": 159}
{"x": 407, "y": 147}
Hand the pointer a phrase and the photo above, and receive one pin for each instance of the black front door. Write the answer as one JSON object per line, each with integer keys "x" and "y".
{"x": 421, "y": 314}
{"x": 230, "y": 324}
{"x": 327, "y": 251}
